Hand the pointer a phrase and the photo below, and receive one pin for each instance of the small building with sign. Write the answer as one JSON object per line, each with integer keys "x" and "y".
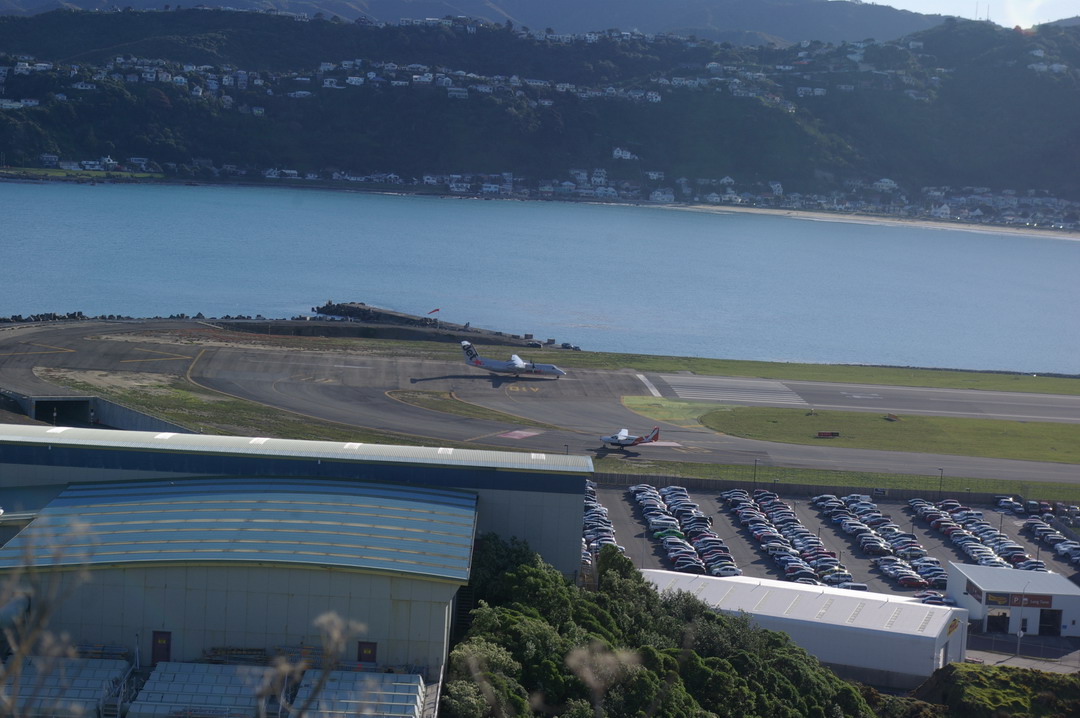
{"x": 883, "y": 639}
{"x": 1005, "y": 600}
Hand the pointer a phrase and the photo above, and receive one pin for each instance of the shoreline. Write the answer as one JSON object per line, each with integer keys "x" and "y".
{"x": 870, "y": 219}
{"x": 800, "y": 214}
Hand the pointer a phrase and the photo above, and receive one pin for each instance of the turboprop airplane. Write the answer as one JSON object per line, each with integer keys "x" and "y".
{"x": 623, "y": 438}
{"x": 516, "y": 365}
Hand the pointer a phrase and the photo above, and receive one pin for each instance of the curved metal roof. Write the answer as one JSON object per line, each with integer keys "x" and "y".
{"x": 314, "y": 523}
{"x": 262, "y": 446}
{"x": 820, "y": 605}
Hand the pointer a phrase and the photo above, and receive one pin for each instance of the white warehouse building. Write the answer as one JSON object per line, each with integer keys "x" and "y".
{"x": 877, "y": 638}
{"x": 1004, "y": 600}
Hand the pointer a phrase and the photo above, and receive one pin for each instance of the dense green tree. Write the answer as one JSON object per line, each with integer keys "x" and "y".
{"x": 645, "y": 655}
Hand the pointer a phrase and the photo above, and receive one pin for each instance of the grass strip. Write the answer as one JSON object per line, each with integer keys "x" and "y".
{"x": 776, "y": 477}
{"x": 680, "y": 412}
{"x": 996, "y": 439}
{"x": 212, "y": 413}
{"x": 207, "y": 412}
{"x": 97, "y": 176}
{"x": 844, "y": 373}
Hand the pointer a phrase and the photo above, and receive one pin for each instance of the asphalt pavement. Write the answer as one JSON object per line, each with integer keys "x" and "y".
{"x": 351, "y": 388}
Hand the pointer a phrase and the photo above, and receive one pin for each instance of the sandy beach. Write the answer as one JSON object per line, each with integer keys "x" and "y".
{"x": 876, "y": 220}
{"x": 816, "y": 216}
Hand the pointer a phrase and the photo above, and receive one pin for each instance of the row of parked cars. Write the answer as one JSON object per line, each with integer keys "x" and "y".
{"x": 1048, "y": 535}
{"x": 597, "y": 529}
{"x": 684, "y": 531}
{"x": 797, "y": 551}
{"x": 980, "y": 540}
{"x": 900, "y": 555}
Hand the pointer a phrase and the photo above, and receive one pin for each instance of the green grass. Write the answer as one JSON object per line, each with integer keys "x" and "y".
{"x": 990, "y": 691}
{"x": 49, "y": 173}
{"x": 764, "y": 476}
{"x": 933, "y": 378}
{"x": 209, "y": 412}
{"x": 450, "y": 351}
{"x": 1030, "y": 441}
{"x": 671, "y": 411}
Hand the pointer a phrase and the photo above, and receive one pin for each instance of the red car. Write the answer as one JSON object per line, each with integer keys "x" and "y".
{"x": 912, "y": 582}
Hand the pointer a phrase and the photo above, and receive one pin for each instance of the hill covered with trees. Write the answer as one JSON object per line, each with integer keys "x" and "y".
{"x": 754, "y": 21}
{"x": 540, "y": 646}
{"x": 964, "y": 103}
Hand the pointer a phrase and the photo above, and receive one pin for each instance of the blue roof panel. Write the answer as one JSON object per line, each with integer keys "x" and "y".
{"x": 313, "y": 523}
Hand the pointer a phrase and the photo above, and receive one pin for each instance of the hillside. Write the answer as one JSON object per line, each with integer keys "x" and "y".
{"x": 991, "y": 691}
{"x": 539, "y": 646}
{"x": 753, "y": 21}
{"x": 203, "y": 92}
{"x": 622, "y": 649}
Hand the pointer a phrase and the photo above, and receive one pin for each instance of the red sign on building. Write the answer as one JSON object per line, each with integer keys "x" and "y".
{"x": 1031, "y": 600}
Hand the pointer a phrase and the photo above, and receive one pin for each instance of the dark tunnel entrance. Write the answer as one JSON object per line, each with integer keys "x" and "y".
{"x": 64, "y": 412}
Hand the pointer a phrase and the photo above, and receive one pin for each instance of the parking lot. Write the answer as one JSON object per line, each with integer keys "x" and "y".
{"x": 645, "y": 552}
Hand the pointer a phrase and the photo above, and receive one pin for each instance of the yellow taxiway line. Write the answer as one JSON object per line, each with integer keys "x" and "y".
{"x": 53, "y": 350}
{"x": 166, "y": 356}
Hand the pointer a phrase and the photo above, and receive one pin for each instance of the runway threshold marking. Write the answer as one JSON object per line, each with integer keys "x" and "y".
{"x": 649, "y": 385}
{"x": 54, "y": 350}
{"x": 166, "y": 356}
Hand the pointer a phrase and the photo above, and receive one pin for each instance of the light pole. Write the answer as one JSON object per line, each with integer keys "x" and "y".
{"x": 941, "y": 482}
{"x": 755, "y": 474}
{"x": 1019, "y": 632}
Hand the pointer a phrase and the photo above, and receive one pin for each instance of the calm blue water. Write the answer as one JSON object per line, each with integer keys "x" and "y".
{"x": 635, "y": 279}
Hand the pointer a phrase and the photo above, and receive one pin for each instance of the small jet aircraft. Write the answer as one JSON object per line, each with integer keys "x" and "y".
{"x": 623, "y": 438}
{"x": 516, "y": 365}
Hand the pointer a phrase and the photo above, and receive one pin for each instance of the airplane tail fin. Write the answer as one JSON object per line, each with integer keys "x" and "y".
{"x": 470, "y": 352}
{"x": 654, "y": 435}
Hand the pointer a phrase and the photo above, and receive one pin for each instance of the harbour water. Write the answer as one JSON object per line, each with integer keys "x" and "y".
{"x": 617, "y": 278}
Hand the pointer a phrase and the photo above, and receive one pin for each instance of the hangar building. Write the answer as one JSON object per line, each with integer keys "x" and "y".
{"x": 1004, "y": 600}
{"x": 193, "y": 565}
{"x": 191, "y": 543}
{"x": 876, "y": 638}
{"x": 534, "y": 496}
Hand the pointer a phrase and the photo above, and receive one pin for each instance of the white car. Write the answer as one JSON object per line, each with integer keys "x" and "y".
{"x": 1061, "y": 548}
{"x": 725, "y": 571}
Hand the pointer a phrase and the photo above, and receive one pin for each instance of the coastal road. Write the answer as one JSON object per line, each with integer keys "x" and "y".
{"x": 355, "y": 389}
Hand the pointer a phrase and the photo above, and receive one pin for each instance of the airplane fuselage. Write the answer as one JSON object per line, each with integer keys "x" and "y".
{"x": 624, "y": 438}
{"x": 514, "y": 366}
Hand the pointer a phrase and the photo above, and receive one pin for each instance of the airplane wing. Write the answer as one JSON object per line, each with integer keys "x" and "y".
{"x": 516, "y": 361}
{"x": 623, "y": 433}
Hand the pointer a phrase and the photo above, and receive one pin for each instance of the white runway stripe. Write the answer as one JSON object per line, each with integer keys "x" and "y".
{"x": 649, "y": 385}
{"x": 750, "y": 391}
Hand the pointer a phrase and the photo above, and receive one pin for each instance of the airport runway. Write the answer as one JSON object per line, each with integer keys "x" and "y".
{"x": 352, "y": 389}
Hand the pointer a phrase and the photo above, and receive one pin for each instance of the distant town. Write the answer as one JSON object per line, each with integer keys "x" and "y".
{"x": 801, "y": 74}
